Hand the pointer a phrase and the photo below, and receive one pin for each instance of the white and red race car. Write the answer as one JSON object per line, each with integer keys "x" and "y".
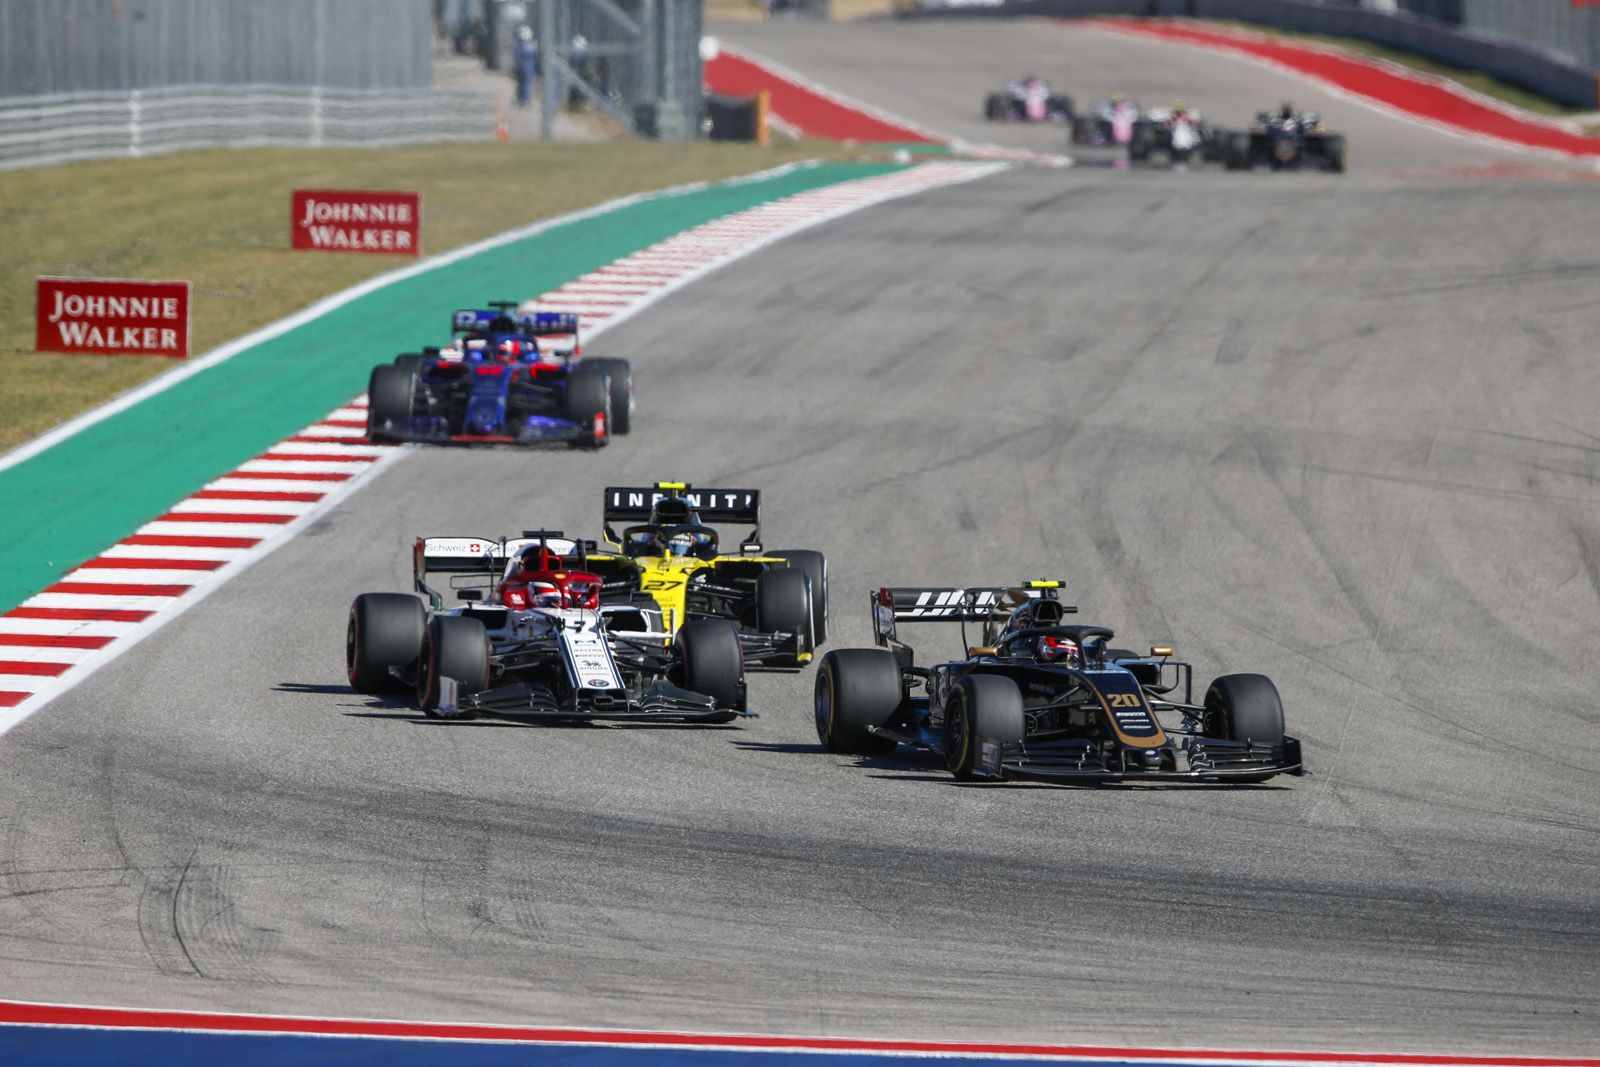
{"x": 532, "y": 639}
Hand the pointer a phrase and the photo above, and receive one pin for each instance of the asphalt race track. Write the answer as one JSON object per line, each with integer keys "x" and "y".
{"x": 1337, "y": 430}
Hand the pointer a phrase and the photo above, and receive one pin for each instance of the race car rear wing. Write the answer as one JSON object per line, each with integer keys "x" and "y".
{"x": 532, "y": 323}
{"x": 946, "y": 604}
{"x": 476, "y": 563}
{"x": 738, "y": 506}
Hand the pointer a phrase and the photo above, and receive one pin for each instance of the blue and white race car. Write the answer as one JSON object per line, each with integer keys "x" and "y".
{"x": 506, "y": 377}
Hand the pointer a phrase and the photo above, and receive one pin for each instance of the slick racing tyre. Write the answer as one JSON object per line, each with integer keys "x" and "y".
{"x": 1142, "y": 142}
{"x": 1245, "y": 708}
{"x": 389, "y": 398}
{"x": 385, "y": 631}
{"x": 784, "y": 605}
{"x": 996, "y": 106}
{"x": 588, "y": 403}
{"x": 713, "y": 664}
{"x": 1335, "y": 151}
{"x": 981, "y": 707}
{"x": 455, "y": 647}
{"x": 815, "y": 564}
{"x": 621, "y": 373}
{"x": 1236, "y": 154}
{"x": 857, "y": 689}
{"x": 411, "y": 361}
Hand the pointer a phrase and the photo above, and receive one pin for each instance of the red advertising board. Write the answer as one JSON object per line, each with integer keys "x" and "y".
{"x": 112, "y": 316}
{"x": 353, "y": 220}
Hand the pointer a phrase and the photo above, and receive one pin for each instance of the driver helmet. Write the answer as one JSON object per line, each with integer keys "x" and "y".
{"x": 1062, "y": 650}
{"x": 510, "y": 349}
{"x": 545, "y": 595}
{"x": 680, "y": 545}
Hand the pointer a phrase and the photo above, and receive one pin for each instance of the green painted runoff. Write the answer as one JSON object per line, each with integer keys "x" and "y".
{"x": 75, "y": 499}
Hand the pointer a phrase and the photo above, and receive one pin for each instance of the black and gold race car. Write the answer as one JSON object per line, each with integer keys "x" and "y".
{"x": 671, "y": 560}
{"x": 1039, "y": 697}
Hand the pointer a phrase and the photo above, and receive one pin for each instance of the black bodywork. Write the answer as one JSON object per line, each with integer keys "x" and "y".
{"x": 1113, "y": 715}
{"x": 1296, "y": 141}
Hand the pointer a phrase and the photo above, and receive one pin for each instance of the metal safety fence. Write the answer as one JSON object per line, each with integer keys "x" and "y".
{"x": 61, "y": 46}
{"x": 57, "y": 128}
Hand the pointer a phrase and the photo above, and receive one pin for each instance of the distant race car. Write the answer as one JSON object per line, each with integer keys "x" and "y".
{"x": 1028, "y": 99}
{"x": 533, "y": 640}
{"x": 506, "y": 377}
{"x": 1037, "y": 697}
{"x": 670, "y": 562}
{"x": 1180, "y": 133}
{"x": 1286, "y": 140}
{"x": 1107, "y": 123}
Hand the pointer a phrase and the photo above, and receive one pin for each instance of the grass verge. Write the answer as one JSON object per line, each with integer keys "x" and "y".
{"x": 1475, "y": 80}
{"x": 220, "y": 218}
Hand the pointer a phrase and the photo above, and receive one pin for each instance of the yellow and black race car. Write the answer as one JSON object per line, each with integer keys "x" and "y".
{"x": 671, "y": 560}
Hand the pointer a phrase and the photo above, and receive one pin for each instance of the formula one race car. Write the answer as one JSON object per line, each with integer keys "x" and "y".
{"x": 1178, "y": 132}
{"x": 1106, "y": 123}
{"x": 505, "y": 378}
{"x": 532, "y": 640}
{"x": 1040, "y": 698}
{"x": 1028, "y": 99}
{"x": 1286, "y": 140}
{"x": 671, "y": 563}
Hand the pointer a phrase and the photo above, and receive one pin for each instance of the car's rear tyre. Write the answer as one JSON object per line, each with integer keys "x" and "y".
{"x": 390, "y": 393}
{"x": 1336, "y": 153}
{"x": 815, "y": 564}
{"x": 980, "y": 706}
{"x": 1245, "y": 708}
{"x": 712, "y": 663}
{"x": 783, "y": 604}
{"x": 996, "y": 106}
{"x": 385, "y": 630}
{"x": 857, "y": 689}
{"x": 411, "y": 361}
{"x": 1142, "y": 141}
{"x": 1059, "y": 104}
{"x": 455, "y": 647}
{"x": 1236, "y": 156}
{"x": 588, "y": 403}
{"x": 621, "y": 372}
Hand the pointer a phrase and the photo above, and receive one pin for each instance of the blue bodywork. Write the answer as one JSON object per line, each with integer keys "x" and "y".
{"x": 496, "y": 386}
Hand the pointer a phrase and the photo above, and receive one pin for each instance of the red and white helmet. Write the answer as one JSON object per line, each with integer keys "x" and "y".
{"x": 1062, "y": 650}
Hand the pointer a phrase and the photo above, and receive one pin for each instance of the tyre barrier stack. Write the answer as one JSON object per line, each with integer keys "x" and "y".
{"x": 737, "y": 118}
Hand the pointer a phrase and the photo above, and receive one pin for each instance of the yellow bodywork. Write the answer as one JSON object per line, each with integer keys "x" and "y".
{"x": 666, "y": 580}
